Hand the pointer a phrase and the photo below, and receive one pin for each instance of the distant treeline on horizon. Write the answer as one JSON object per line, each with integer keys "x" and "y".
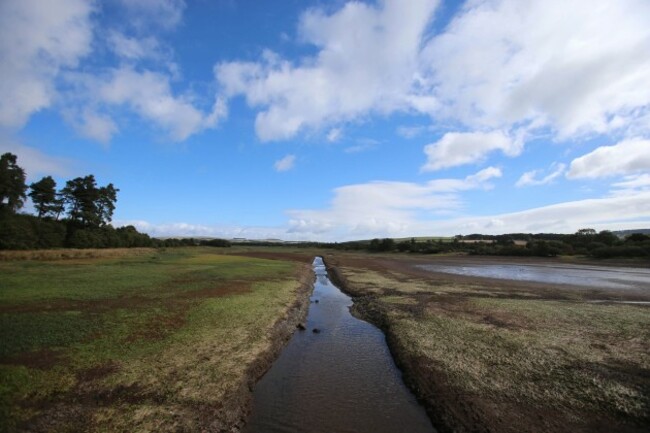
{"x": 585, "y": 242}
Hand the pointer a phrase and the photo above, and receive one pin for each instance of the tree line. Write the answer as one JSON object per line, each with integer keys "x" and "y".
{"x": 585, "y": 242}
{"x": 75, "y": 216}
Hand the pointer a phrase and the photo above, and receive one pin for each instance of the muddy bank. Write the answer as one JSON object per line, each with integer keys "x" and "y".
{"x": 231, "y": 417}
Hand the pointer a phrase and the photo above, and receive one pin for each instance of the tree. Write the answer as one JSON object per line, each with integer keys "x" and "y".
{"x": 586, "y": 233}
{"x": 87, "y": 204}
{"x": 106, "y": 202}
{"x": 43, "y": 194}
{"x": 12, "y": 183}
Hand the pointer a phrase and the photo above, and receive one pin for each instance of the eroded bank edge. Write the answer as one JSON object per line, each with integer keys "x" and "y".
{"x": 232, "y": 416}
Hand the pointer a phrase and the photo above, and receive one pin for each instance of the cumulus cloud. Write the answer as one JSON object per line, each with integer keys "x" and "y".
{"x": 530, "y": 178}
{"x": 626, "y": 157}
{"x": 458, "y": 148}
{"x": 387, "y": 207}
{"x": 506, "y": 62}
{"x": 285, "y": 164}
{"x": 498, "y": 65}
{"x": 367, "y": 56}
{"x": 91, "y": 124}
{"x": 146, "y": 93}
{"x": 37, "y": 40}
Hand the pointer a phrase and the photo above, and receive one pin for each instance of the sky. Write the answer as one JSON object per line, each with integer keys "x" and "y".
{"x": 337, "y": 120}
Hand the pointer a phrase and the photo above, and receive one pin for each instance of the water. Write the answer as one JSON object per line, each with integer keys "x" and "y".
{"x": 341, "y": 380}
{"x": 586, "y": 276}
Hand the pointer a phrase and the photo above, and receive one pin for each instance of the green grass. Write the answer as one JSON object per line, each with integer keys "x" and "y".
{"x": 155, "y": 334}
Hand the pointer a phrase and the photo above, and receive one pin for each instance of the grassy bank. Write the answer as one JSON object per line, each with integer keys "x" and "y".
{"x": 511, "y": 357}
{"x": 141, "y": 340}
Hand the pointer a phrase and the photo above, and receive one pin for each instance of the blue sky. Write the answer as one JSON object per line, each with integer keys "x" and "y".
{"x": 337, "y": 120}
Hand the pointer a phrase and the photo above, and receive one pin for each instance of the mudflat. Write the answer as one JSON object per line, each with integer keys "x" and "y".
{"x": 509, "y": 355}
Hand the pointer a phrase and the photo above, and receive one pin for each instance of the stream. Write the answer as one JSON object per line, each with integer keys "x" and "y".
{"x": 340, "y": 379}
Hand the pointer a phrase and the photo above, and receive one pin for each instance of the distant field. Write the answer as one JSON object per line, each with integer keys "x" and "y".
{"x": 426, "y": 238}
{"x": 134, "y": 340}
{"x": 508, "y": 356}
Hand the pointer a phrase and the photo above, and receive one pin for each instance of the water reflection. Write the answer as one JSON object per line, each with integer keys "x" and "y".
{"x": 342, "y": 379}
{"x": 588, "y": 276}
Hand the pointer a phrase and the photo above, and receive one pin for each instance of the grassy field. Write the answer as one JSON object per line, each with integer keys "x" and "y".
{"x": 136, "y": 340}
{"x": 508, "y": 357}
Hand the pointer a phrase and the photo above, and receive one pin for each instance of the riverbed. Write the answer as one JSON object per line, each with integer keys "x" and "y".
{"x": 336, "y": 375}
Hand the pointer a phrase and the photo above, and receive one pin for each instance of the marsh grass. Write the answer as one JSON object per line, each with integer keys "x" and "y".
{"x": 517, "y": 350}
{"x": 152, "y": 338}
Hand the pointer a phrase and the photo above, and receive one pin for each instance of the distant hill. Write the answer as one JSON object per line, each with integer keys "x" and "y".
{"x": 624, "y": 233}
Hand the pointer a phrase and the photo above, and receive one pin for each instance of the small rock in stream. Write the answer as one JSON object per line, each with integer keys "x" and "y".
{"x": 301, "y": 327}
{"x": 316, "y": 331}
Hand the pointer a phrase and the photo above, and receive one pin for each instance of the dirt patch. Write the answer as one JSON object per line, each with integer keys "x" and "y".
{"x": 97, "y": 373}
{"x": 218, "y": 290}
{"x": 41, "y": 359}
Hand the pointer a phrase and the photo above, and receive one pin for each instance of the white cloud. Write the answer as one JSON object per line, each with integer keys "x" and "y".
{"x": 134, "y": 48}
{"x": 366, "y": 60}
{"x": 334, "y": 135}
{"x": 634, "y": 182}
{"x": 411, "y": 131}
{"x": 610, "y": 213}
{"x": 386, "y": 207}
{"x": 578, "y": 66}
{"x": 285, "y": 164}
{"x": 529, "y": 178}
{"x": 165, "y": 13}
{"x": 148, "y": 94}
{"x": 177, "y": 229}
{"x": 631, "y": 185}
{"x": 363, "y": 144}
{"x": 627, "y": 157}
{"x": 458, "y": 148}
{"x": 91, "y": 124}
{"x": 34, "y": 162}
{"x": 37, "y": 40}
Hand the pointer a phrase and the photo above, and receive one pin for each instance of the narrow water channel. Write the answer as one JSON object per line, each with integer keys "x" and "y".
{"x": 339, "y": 380}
